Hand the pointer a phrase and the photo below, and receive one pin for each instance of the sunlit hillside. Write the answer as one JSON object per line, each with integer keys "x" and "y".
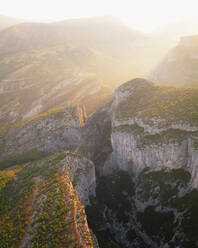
{"x": 179, "y": 67}
{"x": 44, "y": 66}
{"x": 98, "y": 124}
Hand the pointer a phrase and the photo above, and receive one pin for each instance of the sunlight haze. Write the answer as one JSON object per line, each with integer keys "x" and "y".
{"x": 98, "y": 123}
{"x": 142, "y": 15}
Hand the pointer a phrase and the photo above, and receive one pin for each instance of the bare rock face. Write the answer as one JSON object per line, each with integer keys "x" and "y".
{"x": 51, "y": 132}
{"x": 82, "y": 175}
{"x": 148, "y": 132}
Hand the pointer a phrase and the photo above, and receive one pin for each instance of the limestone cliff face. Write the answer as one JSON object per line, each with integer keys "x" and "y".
{"x": 54, "y": 131}
{"x": 82, "y": 175}
{"x": 158, "y": 141}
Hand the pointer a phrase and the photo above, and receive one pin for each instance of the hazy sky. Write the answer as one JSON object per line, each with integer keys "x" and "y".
{"x": 144, "y": 15}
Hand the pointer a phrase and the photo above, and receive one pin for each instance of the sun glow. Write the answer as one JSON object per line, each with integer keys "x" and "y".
{"x": 142, "y": 15}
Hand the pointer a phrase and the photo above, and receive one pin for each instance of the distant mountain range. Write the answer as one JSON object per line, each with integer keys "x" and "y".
{"x": 106, "y": 36}
{"x": 48, "y": 65}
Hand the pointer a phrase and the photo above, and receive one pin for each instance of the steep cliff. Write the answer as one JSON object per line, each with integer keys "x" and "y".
{"x": 146, "y": 194}
{"x": 82, "y": 175}
{"x": 154, "y": 126}
{"x": 144, "y": 147}
{"x": 39, "y": 206}
{"x": 96, "y": 136}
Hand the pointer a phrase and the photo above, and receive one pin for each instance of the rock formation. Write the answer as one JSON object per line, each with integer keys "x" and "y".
{"x": 53, "y": 131}
{"x": 149, "y": 131}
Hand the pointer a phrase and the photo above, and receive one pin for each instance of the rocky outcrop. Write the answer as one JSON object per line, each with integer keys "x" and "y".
{"x": 82, "y": 175}
{"x": 54, "y": 131}
{"x": 158, "y": 141}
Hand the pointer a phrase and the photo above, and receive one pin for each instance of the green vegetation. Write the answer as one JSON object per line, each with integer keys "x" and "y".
{"x": 129, "y": 129}
{"x": 169, "y": 207}
{"x": 154, "y": 101}
{"x": 5, "y": 177}
{"x": 195, "y": 144}
{"x": 3, "y": 131}
{"x": 188, "y": 204}
{"x": 113, "y": 192}
{"x": 43, "y": 115}
{"x": 13, "y": 214}
{"x": 159, "y": 106}
{"x": 162, "y": 185}
{"x": 179, "y": 176}
{"x": 168, "y": 136}
{"x": 34, "y": 73}
{"x": 52, "y": 223}
{"x": 36, "y": 200}
{"x": 19, "y": 159}
{"x": 162, "y": 223}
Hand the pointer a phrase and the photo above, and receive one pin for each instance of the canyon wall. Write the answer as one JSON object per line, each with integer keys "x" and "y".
{"x": 157, "y": 142}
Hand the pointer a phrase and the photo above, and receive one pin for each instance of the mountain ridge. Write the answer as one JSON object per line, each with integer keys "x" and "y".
{"x": 179, "y": 66}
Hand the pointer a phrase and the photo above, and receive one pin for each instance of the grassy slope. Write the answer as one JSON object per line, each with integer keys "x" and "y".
{"x": 38, "y": 203}
{"x": 156, "y": 101}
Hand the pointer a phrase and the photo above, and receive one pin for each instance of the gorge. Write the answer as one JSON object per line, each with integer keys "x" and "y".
{"x": 87, "y": 158}
{"x": 143, "y": 145}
